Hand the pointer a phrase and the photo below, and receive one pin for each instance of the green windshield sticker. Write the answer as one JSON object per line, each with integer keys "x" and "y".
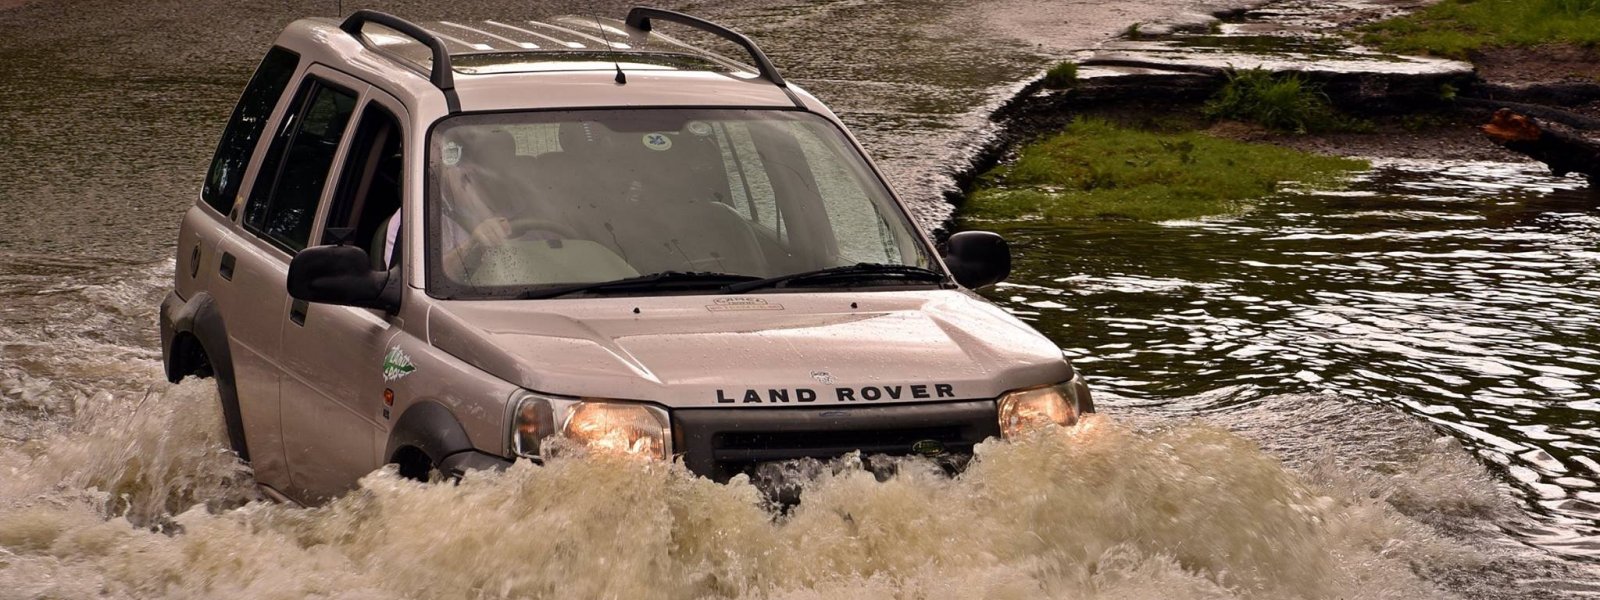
{"x": 396, "y": 364}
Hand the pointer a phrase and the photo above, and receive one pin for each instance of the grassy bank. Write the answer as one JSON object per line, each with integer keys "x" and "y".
{"x": 1097, "y": 170}
{"x": 1284, "y": 102}
{"x": 1455, "y": 28}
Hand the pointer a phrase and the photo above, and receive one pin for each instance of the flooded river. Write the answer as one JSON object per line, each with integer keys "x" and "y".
{"x": 1301, "y": 402}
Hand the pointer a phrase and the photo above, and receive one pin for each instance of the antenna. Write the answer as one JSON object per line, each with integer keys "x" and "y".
{"x": 621, "y": 78}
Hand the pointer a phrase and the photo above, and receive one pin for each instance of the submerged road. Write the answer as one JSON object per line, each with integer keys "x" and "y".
{"x": 108, "y": 115}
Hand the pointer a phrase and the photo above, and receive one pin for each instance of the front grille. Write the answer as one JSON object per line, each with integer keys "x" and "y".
{"x": 858, "y": 440}
{"x": 720, "y": 443}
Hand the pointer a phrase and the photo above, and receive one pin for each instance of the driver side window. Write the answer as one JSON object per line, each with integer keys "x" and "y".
{"x": 366, "y": 204}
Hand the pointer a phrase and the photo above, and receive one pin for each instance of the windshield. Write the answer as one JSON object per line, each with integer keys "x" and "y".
{"x": 519, "y": 202}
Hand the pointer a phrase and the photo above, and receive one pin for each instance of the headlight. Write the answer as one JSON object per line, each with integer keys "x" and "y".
{"x": 634, "y": 429}
{"x": 608, "y": 426}
{"x": 532, "y": 420}
{"x": 1031, "y": 409}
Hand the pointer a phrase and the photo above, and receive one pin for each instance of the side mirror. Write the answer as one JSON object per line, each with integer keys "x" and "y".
{"x": 978, "y": 258}
{"x": 342, "y": 275}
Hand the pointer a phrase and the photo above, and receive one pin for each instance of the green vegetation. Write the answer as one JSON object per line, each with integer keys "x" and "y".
{"x": 1061, "y": 76}
{"x": 1424, "y": 121}
{"x": 1455, "y": 28}
{"x": 1448, "y": 92}
{"x": 1097, "y": 170}
{"x": 1283, "y": 102}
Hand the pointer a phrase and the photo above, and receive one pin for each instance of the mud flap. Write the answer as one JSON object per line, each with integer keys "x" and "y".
{"x": 199, "y": 317}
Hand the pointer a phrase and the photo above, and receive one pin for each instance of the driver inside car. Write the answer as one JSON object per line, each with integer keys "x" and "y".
{"x": 470, "y": 173}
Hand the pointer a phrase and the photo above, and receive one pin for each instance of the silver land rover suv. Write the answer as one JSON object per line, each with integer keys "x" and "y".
{"x": 442, "y": 245}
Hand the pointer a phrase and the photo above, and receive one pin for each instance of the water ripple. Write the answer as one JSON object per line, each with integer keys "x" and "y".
{"x": 1463, "y": 292}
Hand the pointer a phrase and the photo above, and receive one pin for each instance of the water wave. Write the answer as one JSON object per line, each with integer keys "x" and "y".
{"x": 140, "y": 498}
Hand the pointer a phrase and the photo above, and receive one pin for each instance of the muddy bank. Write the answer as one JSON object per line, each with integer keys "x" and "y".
{"x": 1546, "y": 64}
{"x": 1161, "y": 75}
{"x": 1452, "y": 137}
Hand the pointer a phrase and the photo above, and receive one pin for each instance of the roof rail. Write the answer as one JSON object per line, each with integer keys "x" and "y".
{"x": 441, "y": 76}
{"x": 641, "y": 16}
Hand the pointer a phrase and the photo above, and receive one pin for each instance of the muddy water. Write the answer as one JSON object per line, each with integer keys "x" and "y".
{"x": 114, "y": 483}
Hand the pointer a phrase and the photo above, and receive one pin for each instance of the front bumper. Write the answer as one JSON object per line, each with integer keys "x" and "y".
{"x": 719, "y": 443}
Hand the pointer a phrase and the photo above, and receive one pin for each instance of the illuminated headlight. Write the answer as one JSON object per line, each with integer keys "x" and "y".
{"x": 608, "y": 426}
{"x": 1032, "y": 409}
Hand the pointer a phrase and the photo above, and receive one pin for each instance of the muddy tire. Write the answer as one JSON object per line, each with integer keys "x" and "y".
{"x": 414, "y": 464}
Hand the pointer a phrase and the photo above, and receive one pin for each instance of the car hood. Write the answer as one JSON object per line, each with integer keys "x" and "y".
{"x": 751, "y": 351}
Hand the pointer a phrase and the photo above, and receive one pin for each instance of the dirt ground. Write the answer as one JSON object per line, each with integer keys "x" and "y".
{"x": 1550, "y": 63}
{"x": 1454, "y": 134}
{"x": 1453, "y": 141}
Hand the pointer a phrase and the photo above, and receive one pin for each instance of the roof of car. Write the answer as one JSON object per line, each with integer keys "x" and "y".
{"x": 490, "y": 64}
{"x": 559, "y": 44}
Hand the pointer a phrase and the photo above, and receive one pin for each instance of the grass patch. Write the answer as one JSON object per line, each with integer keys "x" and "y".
{"x": 1455, "y": 28}
{"x": 1283, "y": 102}
{"x": 1061, "y": 76}
{"x": 1097, "y": 170}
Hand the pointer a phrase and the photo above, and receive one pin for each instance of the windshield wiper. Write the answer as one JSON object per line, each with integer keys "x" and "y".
{"x": 642, "y": 282}
{"x": 855, "y": 272}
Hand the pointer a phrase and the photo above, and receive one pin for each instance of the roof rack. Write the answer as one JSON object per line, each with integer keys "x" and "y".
{"x": 441, "y": 76}
{"x": 640, "y": 18}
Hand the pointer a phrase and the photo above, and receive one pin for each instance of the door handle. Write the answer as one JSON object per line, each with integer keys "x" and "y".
{"x": 226, "y": 269}
{"x": 297, "y": 312}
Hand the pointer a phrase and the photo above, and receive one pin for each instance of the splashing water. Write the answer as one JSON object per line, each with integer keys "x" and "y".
{"x": 141, "y": 498}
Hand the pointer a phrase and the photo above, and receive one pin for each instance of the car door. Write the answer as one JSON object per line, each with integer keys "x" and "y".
{"x": 334, "y": 356}
{"x": 244, "y": 279}
{"x": 275, "y": 224}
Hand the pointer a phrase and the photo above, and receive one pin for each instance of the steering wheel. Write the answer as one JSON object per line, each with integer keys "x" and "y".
{"x": 524, "y": 225}
{"x": 473, "y": 250}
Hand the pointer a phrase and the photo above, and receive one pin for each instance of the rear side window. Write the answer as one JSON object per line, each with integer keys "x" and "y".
{"x": 244, "y": 128}
{"x": 283, "y": 202}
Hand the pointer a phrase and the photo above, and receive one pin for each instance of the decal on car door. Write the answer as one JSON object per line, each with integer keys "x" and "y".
{"x": 396, "y": 364}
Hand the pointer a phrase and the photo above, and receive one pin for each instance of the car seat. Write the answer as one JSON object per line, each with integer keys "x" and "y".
{"x": 380, "y": 240}
{"x": 679, "y": 219}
